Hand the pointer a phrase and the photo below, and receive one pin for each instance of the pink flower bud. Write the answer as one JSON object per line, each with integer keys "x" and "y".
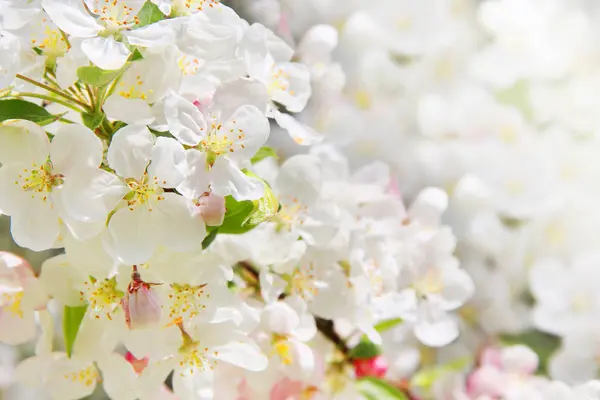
{"x": 375, "y": 366}
{"x": 212, "y": 208}
{"x": 137, "y": 364}
{"x": 141, "y": 304}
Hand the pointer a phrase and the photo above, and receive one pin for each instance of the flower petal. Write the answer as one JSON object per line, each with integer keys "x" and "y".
{"x": 105, "y": 53}
{"x": 248, "y": 128}
{"x": 134, "y": 234}
{"x": 228, "y": 179}
{"x": 130, "y": 151}
{"x": 130, "y": 111}
{"x": 23, "y": 142}
{"x": 185, "y": 121}
{"x": 300, "y": 133}
{"x": 37, "y": 229}
{"x": 71, "y": 17}
{"x": 75, "y": 146}
{"x": 168, "y": 162}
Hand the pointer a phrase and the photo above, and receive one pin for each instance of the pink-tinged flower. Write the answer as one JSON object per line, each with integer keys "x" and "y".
{"x": 375, "y": 366}
{"x": 212, "y": 209}
{"x": 141, "y": 304}
{"x": 137, "y": 364}
{"x": 21, "y": 294}
{"x": 287, "y": 389}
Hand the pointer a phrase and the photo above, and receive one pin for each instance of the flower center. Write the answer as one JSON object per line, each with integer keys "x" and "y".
{"x": 135, "y": 90}
{"x": 87, "y": 376}
{"x": 283, "y": 349}
{"x": 187, "y": 7}
{"x": 188, "y": 65}
{"x": 302, "y": 282}
{"x": 431, "y": 283}
{"x": 103, "y": 296}
{"x": 186, "y": 301}
{"x": 114, "y": 14}
{"x": 218, "y": 142}
{"x": 39, "y": 179}
{"x": 12, "y": 302}
{"x": 145, "y": 191}
{"x": 51, "y": 42}
{"x": 279, "y": 81}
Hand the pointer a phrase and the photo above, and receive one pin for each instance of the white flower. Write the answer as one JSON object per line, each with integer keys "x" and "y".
{"x": 44, "y": 182}
{"x": 223, "y": 139}
{"x": 101, "y": 24}
{"x": 21, "y": 294}
{"x": 148, "y": 216}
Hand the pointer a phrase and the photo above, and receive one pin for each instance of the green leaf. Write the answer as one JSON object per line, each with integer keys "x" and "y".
{"x": 92, "y": 121}
{"x": 72, "y": 318}
{"x": 149, "y": 14}
{"x": 427, "y": 376}
{"x": 387, "y": 324}
{"x": 365, "y": 350}
{"x": 136, "y": 55}
{"x": 212, "y": 235}
{"x": 237, "y": 212}
{"x": 95, "y": 76}
{"x": 543, "y": 344}
{"x": 377, "y": 389}
{"x": 243, "y": 216}
{"x": 21, "y": 109}
{"x": 263, "y": 153}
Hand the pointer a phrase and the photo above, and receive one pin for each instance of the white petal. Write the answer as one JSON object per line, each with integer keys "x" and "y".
{"x": 135, "y": 235}
{"x": 434, "y": 327}
{"x": 91, "y": 194}
{"x": 297, "y": 87}
{"x": 236, "y": 93}
{"x": 458, "y": 288}
{"x": 155, "y": 35}
{"x": 130, "y": 111}
{"x": 130, "y": 151}
{"x": 185, "y": 121}
{"x": 16, "y": 329}
{"x": 118, "y": 377}
{"x": 71, "y": 17}
{"x": 245, "y": 355}
{"x": 14, "y": 200}
{"x": 98, "y": 337}
{"x": 31, "y": 371}
{"x": 248, "y": 128}
{"x": 300, "y": 178}
{"x": 61, "y": 280}
{"x": 75, "y": 146}
{"x": 37, "y": 229}
{"x": 168, "y": 162}
{"x": 106, "y": 53}
{"x": 23, "y": 142}
{"x": 303, "y": 365}
{"x": 59, "y": 383}
{"x": 228, "y": 179}
{"x": 182, "y": 228}
{"x": 300, "y": 133}
{"x": 197, "y": 179}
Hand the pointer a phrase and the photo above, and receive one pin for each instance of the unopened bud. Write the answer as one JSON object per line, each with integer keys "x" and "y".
{"x": 375, "y": 366}
{"x": 141, "y": 304}
{"x": 212, "y": 209}
{"x": 137, "y": 364}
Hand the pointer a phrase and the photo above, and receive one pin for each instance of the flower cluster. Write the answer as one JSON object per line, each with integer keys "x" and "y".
{"x": 325, "y": 200}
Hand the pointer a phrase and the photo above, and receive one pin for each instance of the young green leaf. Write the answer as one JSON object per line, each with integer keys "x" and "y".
{"x": 212, "y": 235}
{"x": 21, "y": 109}
{"x": 72, "y": 318}
{"x": 95, "y": 76}
{"x": 149, "y": 14}
{"x": 262, "y": 153}
{"x": 237, "y": 212}
{"x": 92, "y": 121}
{"x": 377, "y": 389}
{"x": 387, "y": 324}
{"x": 364, "y": 350}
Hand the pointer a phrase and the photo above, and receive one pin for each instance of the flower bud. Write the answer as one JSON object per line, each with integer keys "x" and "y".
{"x": 141, "y": 304}
{"x": 375, "y": 366}
{"x": 212, "y": 208}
